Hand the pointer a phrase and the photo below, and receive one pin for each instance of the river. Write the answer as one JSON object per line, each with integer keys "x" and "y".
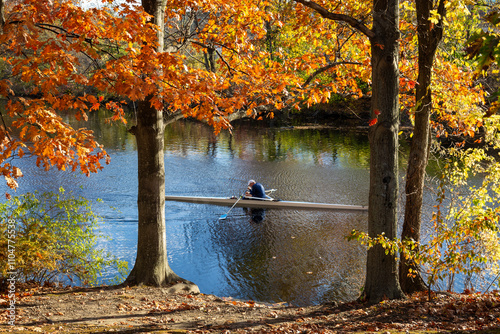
{"x": 295, "y": 256}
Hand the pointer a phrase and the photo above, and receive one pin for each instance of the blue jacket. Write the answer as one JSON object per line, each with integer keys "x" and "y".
{"x": 258, "y": 190}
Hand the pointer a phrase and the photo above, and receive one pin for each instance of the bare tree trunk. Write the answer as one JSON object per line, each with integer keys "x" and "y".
{"x": 2, "y": 15}
{"x": 151, "y": 265}
{"x": 381, "y": 269}
{"x": 428, "y": 40}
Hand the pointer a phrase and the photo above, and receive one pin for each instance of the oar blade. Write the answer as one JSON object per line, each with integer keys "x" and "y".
{"x": 224, "y": 216}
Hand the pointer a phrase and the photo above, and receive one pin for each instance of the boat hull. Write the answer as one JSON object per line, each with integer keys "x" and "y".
{"x": 265, "y": 203}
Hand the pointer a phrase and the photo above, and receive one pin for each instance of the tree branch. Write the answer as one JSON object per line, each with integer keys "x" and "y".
{"x": 437, "y": 31}
{"x": 5, "y": 127}
{"x": 172, "y": 117}
{"x": 326, "y": 68}
{"x": 358, "y": 25}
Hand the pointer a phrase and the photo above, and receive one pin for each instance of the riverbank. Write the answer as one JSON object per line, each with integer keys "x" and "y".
{"x": 154, "y": 310}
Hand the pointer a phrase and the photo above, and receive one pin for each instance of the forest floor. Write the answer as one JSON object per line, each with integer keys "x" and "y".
{"x": 154, "y": 310}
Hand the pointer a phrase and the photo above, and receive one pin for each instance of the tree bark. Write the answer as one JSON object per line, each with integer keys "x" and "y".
{"x": 151, "y": 265}
{"x": 2, "y": 15}
{"x": 381, "y": 269}
{"x": 428, "y": 40}
{"x": 156, "y": 8}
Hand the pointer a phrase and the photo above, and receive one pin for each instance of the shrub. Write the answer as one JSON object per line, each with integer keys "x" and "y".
{"x": 464, "y": 236}
{"x": 55, "y": 238}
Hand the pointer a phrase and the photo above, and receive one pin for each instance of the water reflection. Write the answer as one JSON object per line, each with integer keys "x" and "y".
{"x": 299, "y": 257}
{"x": 293, "y": 256}
{"x": 256, "y": 215}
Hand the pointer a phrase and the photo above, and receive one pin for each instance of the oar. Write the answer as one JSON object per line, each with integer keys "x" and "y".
{"x": 224, "y": 216}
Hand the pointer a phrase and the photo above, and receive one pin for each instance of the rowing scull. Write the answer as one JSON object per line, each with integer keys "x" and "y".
{"x": 264, "y": 203}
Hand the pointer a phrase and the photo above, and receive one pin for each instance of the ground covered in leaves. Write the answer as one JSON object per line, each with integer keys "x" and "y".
{"x": 154, "y": 310}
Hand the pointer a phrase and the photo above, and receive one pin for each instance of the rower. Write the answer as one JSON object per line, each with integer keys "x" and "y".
{"x": 255, "y": 189}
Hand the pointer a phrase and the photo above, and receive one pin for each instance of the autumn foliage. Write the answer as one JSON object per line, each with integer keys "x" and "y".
{"x": 53, "y": 47}
{"x": 222, "y": 58}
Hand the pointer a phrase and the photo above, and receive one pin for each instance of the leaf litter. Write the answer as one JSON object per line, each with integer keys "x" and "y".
{"x": 153, "y": 310}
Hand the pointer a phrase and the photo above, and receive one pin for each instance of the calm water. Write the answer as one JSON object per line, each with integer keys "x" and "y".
{"x": 299, "y": 257}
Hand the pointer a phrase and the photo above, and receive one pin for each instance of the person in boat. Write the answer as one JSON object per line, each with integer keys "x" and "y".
{"x": 255, "y": 189}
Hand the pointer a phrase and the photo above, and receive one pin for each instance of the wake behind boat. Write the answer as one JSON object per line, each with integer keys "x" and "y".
{"x": 253, "y": 202}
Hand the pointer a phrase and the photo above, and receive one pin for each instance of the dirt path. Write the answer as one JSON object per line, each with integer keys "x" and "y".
{"x": 154, "y": 310}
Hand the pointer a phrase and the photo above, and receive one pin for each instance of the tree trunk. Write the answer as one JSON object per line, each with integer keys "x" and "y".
{"x": 428, "y": 39}
{"x": 2, "y": 15}
{"x": 156, "y": 8}
{"x": 381, "y": 269}
{"x": 151, "y": 264}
